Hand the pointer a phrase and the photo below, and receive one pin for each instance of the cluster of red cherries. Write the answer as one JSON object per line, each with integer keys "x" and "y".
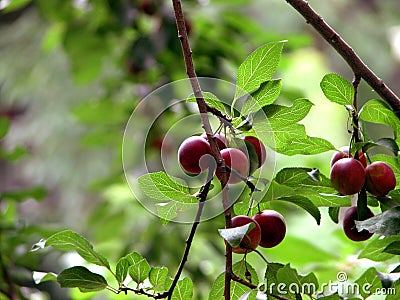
{"x": 349, "y": 175}
{"x": 194, "y": 155}
{"x": 269, "y": 226}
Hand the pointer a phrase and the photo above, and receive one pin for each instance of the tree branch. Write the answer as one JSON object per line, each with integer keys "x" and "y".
{"x": 348, "y": 54}
{"x": 203, "y": 109}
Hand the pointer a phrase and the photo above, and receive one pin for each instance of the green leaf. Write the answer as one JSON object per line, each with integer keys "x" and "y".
{"x": 375, "y": 249}
{"x": 371, "y": 280}
{"x": 307, "y": 146}
{"x": 68, "y": 240}
{"x": 386, "y": 223}
{"x": 139, "y": 268}
{"x": 169, "y": 210}
{"x": 39, "y": 277}
{"x": 306, "y": 204}
{"x": 122, "y": 269}
{"x": 266, "y": 94}
{"x": 276, "y": 191}
{"x": 82, "y": 278}
{"x": 293, "y": 282}
{"x": 390, "y": 144}
{"x": 237, "y": 289}
{"x": 211, "y": 100}
{"x": 337, "y": 89}
{"x": 4, "y": 127}
{"x": 303, "y": 179}
{"x": 289, "y": 137}
{"x": 234, "y": 236}
{"x": 270, "y": 277}
{"x": 163, "y": 187}
{"x": 14, "y": 5}
{"x": 307, "y": 183}
{"x": 334, "y": 214}
{"x": 377, "y": 111}
{"x": 37, "y": 193}
{"x": 183, "y": 289}
{"x": 157, "y": 278}
{"x": 393, "y": 248}
{"x": 258, "y": 67}
{"x": 281, "y": 116}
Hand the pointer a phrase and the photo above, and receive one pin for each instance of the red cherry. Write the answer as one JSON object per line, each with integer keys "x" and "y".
{"x": 273, "y": 227}
{"x": 190, "y": 153}
{"x": 379, "y": 179}
{"x": 221, "y": 140}
{"x": 339, "y": 155}
{"x": 349, "y": 225}
{"x": 236, "y": 160}
{"x": 347, "y": 176}
{"x": 251, "y": 240}
{"x": 258, "y": 147}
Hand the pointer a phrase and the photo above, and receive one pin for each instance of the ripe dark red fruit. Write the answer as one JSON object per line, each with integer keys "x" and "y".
{"x": 251, "y": 240}
{"x": 237, "y": 161}
{"x": 349, "y": 226}
{"x": 379, "y": 178}
{"x": 221, "y": 140}
{"x": 190, "y": 153}
{"x": 347, "y": 176}
{"x": 273, "y": 227}
{"x": 259, "y": 149}
{"x": 345, "y": 149}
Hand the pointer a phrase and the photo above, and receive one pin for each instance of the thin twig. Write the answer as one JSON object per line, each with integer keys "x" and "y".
{"x": 348, "y": 54}
{"x": 202, "y": 199}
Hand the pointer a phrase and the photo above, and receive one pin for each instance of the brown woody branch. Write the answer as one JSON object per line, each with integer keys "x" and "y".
{"x": 348, "y": 54}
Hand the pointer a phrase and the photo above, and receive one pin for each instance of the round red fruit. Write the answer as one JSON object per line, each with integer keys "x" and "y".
{"x": 379, "y": 179}
{"x": 221, "y": 140}
{"x": 347, "y": 176}
{"x": 273, "y": 227}
{"x": 190, "y": 153}
{"x": 259, "y": 149}
{"x": 344, "y": 152}
{"x": 237, "y": 161}
{"x": 251, "y": 240}
{"x": 349, "y": 225}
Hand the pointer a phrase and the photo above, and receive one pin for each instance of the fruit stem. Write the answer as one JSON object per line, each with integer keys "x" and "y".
{"x": 262, "y": 256}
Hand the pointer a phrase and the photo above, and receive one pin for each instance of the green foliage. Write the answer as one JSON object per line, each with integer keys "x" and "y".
{"x": 337, "y": 89}
{"x": 267, "y": 93}
{"x": 375, "y": 250}
{"x": 82, "y": 278}
{"x": 68, "y": 240}
{"x": 163, "y": 187}
{"x": 376, "y": 111}
{"x": 145, "y": 56}
{"x": 289, "y": 137}
{"x": 257, "y": 68}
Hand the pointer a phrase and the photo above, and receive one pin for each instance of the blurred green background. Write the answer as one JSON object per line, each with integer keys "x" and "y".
{"x": 72, "y": 72}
